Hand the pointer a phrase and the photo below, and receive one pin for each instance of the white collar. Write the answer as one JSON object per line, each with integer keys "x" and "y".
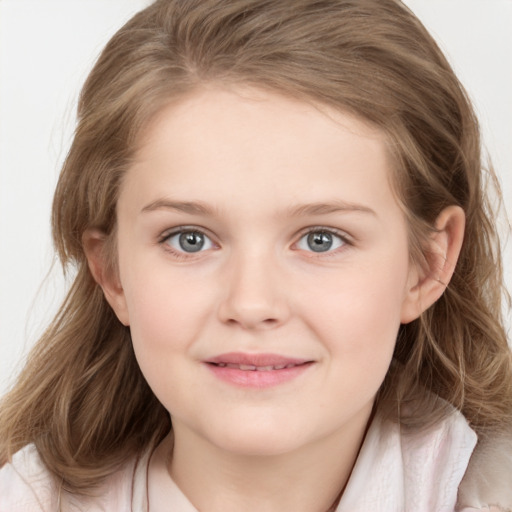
{"x": 422, "y": 471}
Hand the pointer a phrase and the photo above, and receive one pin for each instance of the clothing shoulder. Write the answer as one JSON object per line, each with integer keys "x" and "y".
{"x": 26, "y": 485}
{"x": 487, "y": 484}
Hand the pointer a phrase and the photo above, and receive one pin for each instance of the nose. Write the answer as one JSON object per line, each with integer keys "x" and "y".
{"x": 254, "y": 295}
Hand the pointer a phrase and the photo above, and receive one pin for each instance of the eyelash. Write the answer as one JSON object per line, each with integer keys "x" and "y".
{"x": 183, "y": 255}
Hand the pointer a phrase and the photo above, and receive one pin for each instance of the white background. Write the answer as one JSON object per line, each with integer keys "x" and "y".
{"x": 46, "y": 50}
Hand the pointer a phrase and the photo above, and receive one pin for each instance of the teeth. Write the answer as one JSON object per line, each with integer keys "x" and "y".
{"x": 251, "y": 367}
{"x": 247, "y": 367}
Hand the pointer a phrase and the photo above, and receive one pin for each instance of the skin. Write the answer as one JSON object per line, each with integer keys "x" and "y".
{"x": 258, "y": 167}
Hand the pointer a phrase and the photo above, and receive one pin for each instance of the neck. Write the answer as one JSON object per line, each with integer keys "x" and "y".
{"x": 309, "y": 479}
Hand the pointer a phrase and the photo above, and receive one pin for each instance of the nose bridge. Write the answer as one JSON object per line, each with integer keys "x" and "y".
{"x": 254, "y": 296}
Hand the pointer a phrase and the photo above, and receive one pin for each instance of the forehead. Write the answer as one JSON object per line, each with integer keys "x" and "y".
{"x": 252, "y": 143}
{"x": 241, "y": 108}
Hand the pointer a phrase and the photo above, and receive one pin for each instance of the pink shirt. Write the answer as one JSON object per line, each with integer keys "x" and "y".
{"x": 393, "y": 473}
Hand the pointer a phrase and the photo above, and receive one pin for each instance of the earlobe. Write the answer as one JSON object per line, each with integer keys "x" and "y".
{"x": 428, "y": 285}
{"x": 94, "y": 242}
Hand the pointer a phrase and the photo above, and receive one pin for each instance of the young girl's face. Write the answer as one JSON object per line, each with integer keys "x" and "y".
{"x": 263, "y": 269}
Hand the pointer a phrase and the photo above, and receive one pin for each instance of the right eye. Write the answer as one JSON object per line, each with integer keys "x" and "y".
{"x": 188, "y": 241}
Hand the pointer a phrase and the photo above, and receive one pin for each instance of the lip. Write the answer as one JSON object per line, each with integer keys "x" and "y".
{"x": 256, "y": 370}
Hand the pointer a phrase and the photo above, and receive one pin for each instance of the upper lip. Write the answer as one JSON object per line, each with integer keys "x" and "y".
{"x": 258, "y": 360}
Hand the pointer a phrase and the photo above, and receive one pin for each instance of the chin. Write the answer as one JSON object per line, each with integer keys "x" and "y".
{"x": 255, "y": 439}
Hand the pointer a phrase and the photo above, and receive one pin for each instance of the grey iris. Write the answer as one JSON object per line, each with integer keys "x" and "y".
{"x": 320, "y": 241}
{"x": 191, "y": 241}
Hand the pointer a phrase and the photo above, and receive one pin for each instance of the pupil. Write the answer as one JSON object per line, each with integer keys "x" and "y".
{"x": 191, "y": 241}
{"x": 320, "y": 242}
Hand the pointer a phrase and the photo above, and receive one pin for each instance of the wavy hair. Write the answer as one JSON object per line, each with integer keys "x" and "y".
{"x": 81, "y": 398}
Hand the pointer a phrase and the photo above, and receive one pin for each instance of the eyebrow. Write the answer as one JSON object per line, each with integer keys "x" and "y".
{"x": 191, "y": 207}
{"x": 321, "y": 208}
{"x": 303, "y": 210}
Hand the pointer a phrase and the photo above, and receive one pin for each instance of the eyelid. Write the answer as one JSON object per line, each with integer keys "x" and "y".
{"x": 184, "y": 229}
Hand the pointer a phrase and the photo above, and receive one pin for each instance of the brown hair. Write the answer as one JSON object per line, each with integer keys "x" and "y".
{"x": 81, "y": 397}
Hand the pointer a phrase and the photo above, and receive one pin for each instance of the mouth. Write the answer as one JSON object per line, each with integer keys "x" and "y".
{"x": 257, "y": 370}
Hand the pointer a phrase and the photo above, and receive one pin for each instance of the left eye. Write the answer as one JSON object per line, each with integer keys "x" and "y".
{"x": 320, "y": 241}
{"x": 189, "y": 241}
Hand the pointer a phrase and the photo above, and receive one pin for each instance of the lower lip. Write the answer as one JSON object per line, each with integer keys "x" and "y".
{"x": 257, "y": 379}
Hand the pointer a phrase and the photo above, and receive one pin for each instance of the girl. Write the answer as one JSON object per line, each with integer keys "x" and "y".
{"x": 288, "y": 285}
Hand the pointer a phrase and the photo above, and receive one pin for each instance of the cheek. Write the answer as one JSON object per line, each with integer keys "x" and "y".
{"x": 159, "y": 303}
{"x": 165, "y": 316}
{"x": 358, "y": 315}
{"x": 164, "y": 310}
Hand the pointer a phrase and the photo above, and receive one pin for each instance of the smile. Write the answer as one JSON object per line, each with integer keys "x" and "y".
{"x": 257, "y": 370}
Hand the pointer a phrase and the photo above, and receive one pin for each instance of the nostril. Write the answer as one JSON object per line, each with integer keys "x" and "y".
{"x": 253, "y": 322}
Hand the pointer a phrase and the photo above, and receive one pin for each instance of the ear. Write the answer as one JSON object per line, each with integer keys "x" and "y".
{"x": 94, "y": 242}
{"x": 426, "y": 285}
